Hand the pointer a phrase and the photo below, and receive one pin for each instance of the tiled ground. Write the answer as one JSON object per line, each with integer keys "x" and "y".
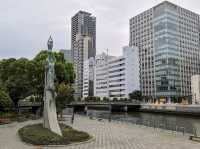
{"x": 114, "y": 135}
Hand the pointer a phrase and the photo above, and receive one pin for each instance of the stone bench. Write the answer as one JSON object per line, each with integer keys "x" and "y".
{"x": 68, "y": 114}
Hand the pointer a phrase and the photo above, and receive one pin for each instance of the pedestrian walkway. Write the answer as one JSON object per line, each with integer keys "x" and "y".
{"x": 108, "y": 135}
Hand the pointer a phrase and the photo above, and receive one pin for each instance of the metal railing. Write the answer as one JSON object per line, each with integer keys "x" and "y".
{"x": 155, "y": 124}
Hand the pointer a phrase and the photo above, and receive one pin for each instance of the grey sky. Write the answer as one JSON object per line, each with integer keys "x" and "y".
{"x": 25, "y": 25}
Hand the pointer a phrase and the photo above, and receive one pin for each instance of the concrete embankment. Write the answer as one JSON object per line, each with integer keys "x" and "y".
{"x": 171, "y": 108}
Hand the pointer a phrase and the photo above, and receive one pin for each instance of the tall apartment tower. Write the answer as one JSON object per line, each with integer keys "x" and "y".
{"x": 83, "y": 44}
{"x": 83, "y": 23}
{"x": 168, "y": 37}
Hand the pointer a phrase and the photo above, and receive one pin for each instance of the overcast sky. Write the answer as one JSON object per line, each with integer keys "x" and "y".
{"x": 25, "y": 25}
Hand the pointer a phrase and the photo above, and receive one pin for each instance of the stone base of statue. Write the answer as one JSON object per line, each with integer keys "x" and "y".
{"x": 50, "y": 115}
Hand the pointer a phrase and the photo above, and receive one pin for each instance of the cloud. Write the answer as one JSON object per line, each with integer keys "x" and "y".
{"x": 25, "y": 25}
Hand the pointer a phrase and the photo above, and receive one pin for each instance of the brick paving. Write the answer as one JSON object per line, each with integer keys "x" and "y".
{"x": 108, "y": 135}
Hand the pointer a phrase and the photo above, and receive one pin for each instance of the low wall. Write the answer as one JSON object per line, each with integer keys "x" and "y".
{"x": 171, "y": 108}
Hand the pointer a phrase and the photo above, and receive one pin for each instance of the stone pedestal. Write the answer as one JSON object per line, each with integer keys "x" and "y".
{"x": 50, "y": 115}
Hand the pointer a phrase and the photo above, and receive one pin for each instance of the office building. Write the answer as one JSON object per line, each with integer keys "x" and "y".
{"x": 116, "y": 76}
{"x": 168, "y": 37}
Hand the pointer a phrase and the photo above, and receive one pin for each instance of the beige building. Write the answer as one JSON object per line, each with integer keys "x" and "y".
{"x": 82, "y": 46}
{"x": 195, "y": 86}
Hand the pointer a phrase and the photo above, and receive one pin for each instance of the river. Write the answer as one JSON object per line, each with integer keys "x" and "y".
{"x": 164, "y": 121}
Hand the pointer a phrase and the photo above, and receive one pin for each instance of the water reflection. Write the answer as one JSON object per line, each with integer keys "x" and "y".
{"x": 164, "y": 121}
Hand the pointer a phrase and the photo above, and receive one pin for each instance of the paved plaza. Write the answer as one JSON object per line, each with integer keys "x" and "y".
{"x": 108, "y": 135}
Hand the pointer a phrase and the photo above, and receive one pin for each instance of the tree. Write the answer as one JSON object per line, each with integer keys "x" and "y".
{"x": 64, "y": 71}
{"x": 137, "y": 95}
{"x": 64, "y": 96}
{"x": 106, "y": 99}
{"x": 115, "y": 99}
{"x": 174, "y": 99}
{"x": 5, "y": 68}
{"x": 5, "y": 101}
{"x": 23, "y": 77}
{"x": 36, "y": 78}
{"x": 17, "y": 82}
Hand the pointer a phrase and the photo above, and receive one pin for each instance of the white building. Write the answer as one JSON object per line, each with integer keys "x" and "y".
{"x": 195, "y": 87}
{"x": 116, "y": 76}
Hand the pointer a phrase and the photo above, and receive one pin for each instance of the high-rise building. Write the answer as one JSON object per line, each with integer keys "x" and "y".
{"x": 116, "y": 76}
{"x": 168, "y": 37}
{"x": 83, "y": 44}
{"x": 83, "y": 23}
{"x": 67, "y": 55}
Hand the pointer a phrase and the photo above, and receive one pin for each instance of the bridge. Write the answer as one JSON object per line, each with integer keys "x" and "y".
{"x": 117, "y": 106}
{"x": 29, "y": 106}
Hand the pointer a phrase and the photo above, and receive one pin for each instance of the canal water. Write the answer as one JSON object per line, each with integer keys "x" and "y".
{"x": 180, "y": 123}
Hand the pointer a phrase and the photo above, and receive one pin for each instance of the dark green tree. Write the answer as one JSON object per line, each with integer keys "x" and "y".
{"x": 5, "y": 101}
{"x": 64, "y": 96}
{"x": 16, "y": 82}
{"x": 23, "y": 77}
{"x": 64, "y": 71}
{"x": 137, "y": 95}
{"x": 115, "y": 99}
{"x": 106, "y": 99}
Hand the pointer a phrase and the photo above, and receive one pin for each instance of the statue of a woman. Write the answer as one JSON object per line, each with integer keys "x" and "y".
{"x": 50, "y": 115}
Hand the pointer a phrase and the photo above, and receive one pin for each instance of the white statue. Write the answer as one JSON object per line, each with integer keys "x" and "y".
{"x": 50, "y": 115}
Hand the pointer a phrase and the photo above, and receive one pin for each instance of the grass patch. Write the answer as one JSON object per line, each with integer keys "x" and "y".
{"x": 38, "y": 135}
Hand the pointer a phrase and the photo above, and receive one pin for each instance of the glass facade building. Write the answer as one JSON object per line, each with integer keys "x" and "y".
{"x": 168, "y": 37}
{"x": 166, "y": 50}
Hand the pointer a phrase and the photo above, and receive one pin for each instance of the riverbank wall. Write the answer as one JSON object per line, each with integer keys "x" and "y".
{"x": 171, "y": 109}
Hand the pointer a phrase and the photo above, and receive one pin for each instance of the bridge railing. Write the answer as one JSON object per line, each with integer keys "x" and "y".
{"x": 103, "y": 102}
{"x": 29, "y": 104}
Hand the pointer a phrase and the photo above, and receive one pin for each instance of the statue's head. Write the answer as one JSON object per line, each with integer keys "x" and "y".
{"x": 50, "y": 43}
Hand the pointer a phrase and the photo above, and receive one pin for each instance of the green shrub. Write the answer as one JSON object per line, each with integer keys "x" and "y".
{"x": 92, "y": 99}
{"x": 5, "y": 101}
{"x": 36, "y": 134}
{"x": 79, "y": 99}
{"x": 105, "y": 99}
{"x": 115, "y": 99}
